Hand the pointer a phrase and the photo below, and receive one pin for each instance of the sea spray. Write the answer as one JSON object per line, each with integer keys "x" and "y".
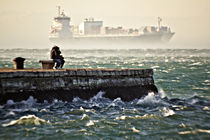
{"x": 151, "y": 117}
{"x": 27, "y": 120}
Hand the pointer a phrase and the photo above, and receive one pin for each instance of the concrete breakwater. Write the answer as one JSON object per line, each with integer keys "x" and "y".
{"x": 66, "y": 84}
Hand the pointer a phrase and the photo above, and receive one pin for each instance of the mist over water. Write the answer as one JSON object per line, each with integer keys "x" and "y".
{"x": 181, "y": 109}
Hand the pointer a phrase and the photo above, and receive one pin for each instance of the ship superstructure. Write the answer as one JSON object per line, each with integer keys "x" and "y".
{"x": 93, "y": 30}
{"x": 61, "y": 26}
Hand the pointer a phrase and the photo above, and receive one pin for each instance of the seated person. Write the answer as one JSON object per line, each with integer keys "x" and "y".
{"x": 55, "y": 54}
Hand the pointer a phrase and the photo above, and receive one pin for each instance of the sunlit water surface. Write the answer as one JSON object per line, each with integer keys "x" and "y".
{"x": 181, "y": 110}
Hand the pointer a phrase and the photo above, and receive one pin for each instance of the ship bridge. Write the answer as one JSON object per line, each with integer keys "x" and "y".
{"x": 61, "y": 26}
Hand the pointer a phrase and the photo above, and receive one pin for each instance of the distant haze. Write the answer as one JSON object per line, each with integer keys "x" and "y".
{"x": 26, "y": 23}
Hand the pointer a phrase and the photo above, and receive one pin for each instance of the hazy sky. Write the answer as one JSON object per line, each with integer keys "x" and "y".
{"x": 26, "y": 23}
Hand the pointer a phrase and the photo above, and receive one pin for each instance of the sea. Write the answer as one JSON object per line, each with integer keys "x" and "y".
{"x": 180, "y": 110}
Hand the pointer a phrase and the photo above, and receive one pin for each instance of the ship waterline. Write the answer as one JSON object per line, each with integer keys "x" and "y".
{"x": 157, "y": 38}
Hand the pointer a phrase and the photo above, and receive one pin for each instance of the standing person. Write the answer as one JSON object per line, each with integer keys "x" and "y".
{"x": 55, "y": 54}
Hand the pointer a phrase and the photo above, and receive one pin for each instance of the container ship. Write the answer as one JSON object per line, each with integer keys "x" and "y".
{"x": 91, "y": 30}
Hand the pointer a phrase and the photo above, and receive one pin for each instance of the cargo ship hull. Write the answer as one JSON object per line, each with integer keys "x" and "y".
{"x": 146, "y": 38}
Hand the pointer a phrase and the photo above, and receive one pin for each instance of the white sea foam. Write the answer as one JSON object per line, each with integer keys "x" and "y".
{"x": 81, "y": 108}
{"x": 55, "y": 101}
{"x": 167, "y": 112}
{"x": 150, "y": 99}
{"x": 85, "y": 117}
{"x": 154, "y": 67}
{"x": 145, "y": 116}
{"x": 91, "y": 122}
{"x": 196, "y": 64}
{"x": 96, "y": 100}
{"x": 76, "y": 99}
{"x": 162, "y": 93}
{"x": 135, "y": 130}
{"x": 10, "y": 102}
{"x": 122, "y": 117}
{"x": 90, "y": 110}
{"x": 166, "y": 60}
{"x": 183, "y": 125}
{"x": 27, "y": 103}
{"x": 98, "y": 95}
{"x": 133, "y": 111}
{"x": 10, "y": 113}
{"x": 179, "y": 107}
{"x": 30, "y": 101}
{"x": 195, "y": 131}
{"x": 44, "y": 110}
{"x": 206, "y": 108}
{"x": 117, "y": 100}
{"x": 82, "y": 130}
{"x": 206, "y": 82}
{"x": 27, "y": 120}
{"x": 193, "y": 101}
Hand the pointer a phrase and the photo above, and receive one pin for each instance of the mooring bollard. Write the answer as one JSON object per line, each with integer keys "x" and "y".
{"x": 47, "y": 64}
{"x": 19, "y": 63}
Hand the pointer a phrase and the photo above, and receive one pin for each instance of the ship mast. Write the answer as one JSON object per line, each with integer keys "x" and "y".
{"x": 159, "y": 21}
{"x": 59, "y": 10}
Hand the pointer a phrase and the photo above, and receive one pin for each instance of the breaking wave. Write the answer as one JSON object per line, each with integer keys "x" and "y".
{"x": 88, "y": 117}
{"x": 27, "y": 120}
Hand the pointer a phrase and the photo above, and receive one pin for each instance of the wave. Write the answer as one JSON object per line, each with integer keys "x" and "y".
{"x": 195, "y": 131}
{"x": 27, "y": 120}
{"x": 80, "y": 106}
{"x": 143, "y": 117}
{"x": 167, "y": 112}
{"x": 91, "y": 122}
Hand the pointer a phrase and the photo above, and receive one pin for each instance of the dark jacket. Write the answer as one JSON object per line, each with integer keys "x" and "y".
{"x": 55, "y": 53}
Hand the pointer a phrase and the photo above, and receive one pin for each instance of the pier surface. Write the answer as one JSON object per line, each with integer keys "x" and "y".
{"x": 66, "y": 84}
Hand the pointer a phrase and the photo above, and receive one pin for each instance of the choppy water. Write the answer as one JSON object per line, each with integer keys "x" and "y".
{"x": 181, "y": 110}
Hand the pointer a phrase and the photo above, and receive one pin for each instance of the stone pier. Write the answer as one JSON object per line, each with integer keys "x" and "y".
{"x": 66, "y": 84}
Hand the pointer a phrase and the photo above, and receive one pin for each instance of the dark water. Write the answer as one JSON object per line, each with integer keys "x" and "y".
{"x": 181, "y": 110}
